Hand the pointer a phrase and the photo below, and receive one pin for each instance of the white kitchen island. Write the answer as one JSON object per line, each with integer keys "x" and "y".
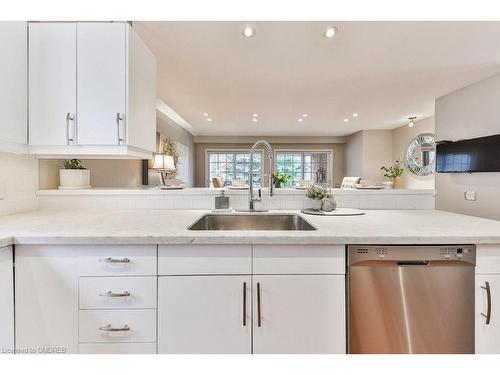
{"x": 138, "y": 281}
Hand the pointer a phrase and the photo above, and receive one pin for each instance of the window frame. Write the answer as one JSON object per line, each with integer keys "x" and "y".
{"x": 230, "y": 151}
{"x": 307, "y": 150}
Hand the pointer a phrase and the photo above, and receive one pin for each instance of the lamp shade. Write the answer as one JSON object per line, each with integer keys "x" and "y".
{"x": 164, "y": 162}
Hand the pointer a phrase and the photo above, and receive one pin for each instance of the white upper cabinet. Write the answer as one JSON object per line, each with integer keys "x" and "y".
{"x": 101, "y": 83}
{"x": 52, "y": 83}
{"x": 13, "y": 87}
{"x": 92, "y": 91}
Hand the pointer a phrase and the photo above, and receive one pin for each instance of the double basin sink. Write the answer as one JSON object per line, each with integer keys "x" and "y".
{"x": 252, "y": 222}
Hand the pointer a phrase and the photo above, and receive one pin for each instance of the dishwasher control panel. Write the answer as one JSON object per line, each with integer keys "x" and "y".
{"x": 360, "y": 253}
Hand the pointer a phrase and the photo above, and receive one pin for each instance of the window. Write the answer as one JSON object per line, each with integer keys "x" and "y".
{"x": 305, "y": 165}
{"x": 233, "y": 165}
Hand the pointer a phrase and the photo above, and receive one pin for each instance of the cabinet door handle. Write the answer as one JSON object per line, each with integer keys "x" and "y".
{"x": 488, "y": 298}
{"x": 114, "y": 260}
{"x": 244, "y": 304}
{"x": 109, "y": 328}
{"x": 118, "y": 119}
{"x": 111, "y": 294}
{"x": 259, "y": 312}
{"x": 69, "y": 117}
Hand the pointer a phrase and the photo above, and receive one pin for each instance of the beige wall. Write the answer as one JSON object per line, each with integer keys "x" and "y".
{"x": 368, "y": 150}
{"x": 200, "y": 163}
{"x": 103, "y": 173}
{"x": 401, "y": 137}
{"x": 354, "y": 155}
{"x": 473, "y": 111}
{"x": 18, "y": 183}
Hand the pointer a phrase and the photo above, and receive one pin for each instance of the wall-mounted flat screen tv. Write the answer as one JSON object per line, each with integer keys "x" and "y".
{"x": 469, "y": 155}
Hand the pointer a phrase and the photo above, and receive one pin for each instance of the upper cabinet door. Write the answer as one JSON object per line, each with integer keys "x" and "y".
{"x": 52, "y": 83}
{"x": 13, "y": 75}
{"x": 101, "y": 83}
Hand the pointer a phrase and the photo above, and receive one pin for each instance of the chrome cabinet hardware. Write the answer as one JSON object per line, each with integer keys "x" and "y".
{"x": 69, "y": 117}
{"x": 109, "y": 328}
{"x": 111, "y": 294}
{"x": 259, "y": 312}
{"x": 244, "y": 304}
{"x": 114, "y": 260}
{"x": 118, "y": 119}
{"x": 488, "y": 299}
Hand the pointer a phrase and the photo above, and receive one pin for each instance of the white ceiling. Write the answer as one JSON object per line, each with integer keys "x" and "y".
{"x": 385, "y": 71}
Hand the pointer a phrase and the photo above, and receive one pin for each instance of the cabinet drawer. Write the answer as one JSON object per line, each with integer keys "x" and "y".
{"x": 116, "y": 260}
{"x": 487, "y": 259}
{"x": 117, "y": 326}
{"x": 117, "y": 292}
{"x": 204, "y": 259}
{"x": 298, "y": 259}
{"x": 127, "y": 348}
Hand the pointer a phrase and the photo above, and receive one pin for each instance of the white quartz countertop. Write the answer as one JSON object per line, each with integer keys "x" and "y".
{"x": 170, "y": 227}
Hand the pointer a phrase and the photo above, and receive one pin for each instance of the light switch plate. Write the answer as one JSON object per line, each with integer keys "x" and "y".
{"x": 470, "y": 195}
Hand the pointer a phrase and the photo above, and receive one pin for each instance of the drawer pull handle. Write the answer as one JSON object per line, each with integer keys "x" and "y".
{"x": 114, "y": 260}
{"x": 111, "y": 294}
{"x": 109, "y": 328}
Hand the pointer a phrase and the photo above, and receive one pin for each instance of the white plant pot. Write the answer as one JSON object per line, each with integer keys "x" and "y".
{"x": 316, "y": 204}
{"x": 74, "y": 179}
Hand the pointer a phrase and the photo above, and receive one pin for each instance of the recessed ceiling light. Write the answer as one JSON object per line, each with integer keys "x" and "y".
{"x": 300, "y": 119}
{"x": 254, "y": 120}
{"x": 255, "y": 115}
{"x": 209, "y": 119}
{"x": 330, "y": 32}
{"x": 248, "y": 32}
{"x": 305, "y": 115}
{"x": 205, "y": 114}
{"x": 354, "y": 115}
{"x": 346, "y": 120}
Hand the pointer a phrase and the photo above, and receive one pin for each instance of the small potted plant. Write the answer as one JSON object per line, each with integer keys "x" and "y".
{"x": 394, "y": 172}
{"x": 280, "y": 179}
{"x": 316, "y": 194}
{"x": 74, "y": 175}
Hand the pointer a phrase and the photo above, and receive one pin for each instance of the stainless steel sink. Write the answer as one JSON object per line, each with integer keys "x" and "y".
{"x": 251, "y": 222}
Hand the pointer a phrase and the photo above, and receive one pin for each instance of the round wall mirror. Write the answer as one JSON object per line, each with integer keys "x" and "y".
{"x": 421, "y": 154}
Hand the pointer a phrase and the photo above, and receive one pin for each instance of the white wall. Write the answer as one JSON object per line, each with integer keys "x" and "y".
{"x": 401, "y": 137}
{"x": 473, "y": 111}
{"x": 18, "y": 183}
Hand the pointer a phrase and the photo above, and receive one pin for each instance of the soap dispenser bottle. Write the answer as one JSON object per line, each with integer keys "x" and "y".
{"x": 222, "y": 202}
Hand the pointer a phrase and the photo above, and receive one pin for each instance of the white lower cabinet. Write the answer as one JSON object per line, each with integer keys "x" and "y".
{"x": 204, "y": 314}
{"x": 299, "y": 314}
{"x": 6, "y": 300}
{"x": 487, "y": 314}
{"x": 46, "y": 299}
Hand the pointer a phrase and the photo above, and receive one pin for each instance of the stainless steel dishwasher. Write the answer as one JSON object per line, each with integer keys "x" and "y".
{"x": 411, "y": 299}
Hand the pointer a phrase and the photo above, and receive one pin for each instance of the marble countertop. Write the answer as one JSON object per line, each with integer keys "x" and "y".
{"x": 170, "y": 227}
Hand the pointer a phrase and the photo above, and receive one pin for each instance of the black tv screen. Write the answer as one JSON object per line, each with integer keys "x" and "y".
{"x": 470, "y": 155}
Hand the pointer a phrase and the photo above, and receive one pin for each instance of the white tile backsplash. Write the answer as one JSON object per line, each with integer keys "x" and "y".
{"x": 200, "y": 199}
{"x": 18, "y": 183}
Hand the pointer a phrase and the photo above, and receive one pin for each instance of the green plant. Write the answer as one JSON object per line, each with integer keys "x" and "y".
{"x": 316, "y": 192}
{"x": 73, "y": 164}
{"x": 393, "y": 171}
{"x": 280, "y": 178}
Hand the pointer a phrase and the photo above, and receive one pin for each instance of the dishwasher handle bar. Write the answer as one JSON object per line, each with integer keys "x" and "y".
{"x": 413, "y": 262}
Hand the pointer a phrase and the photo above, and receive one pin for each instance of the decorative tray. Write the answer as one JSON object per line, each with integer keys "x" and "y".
{"x": 337, "y": 212}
